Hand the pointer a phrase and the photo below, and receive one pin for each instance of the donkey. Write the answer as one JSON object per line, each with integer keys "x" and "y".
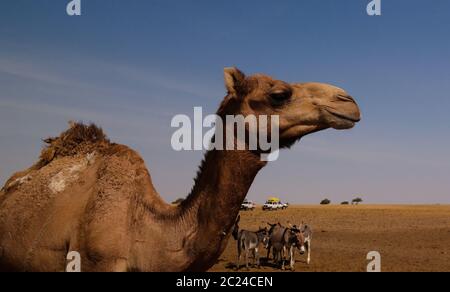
{"x": 307, "y": 234}
{"x": 272, "y": 230}
{"x": 286, "y": 240}
{"x": 248, "y": 241}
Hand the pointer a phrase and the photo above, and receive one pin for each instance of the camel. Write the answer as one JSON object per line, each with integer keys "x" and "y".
{"x": 95, "y": 197}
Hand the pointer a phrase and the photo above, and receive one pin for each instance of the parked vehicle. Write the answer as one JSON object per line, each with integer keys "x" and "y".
{"x": 272, "y": 204}
{"x": 248, "y": 206}
{"x": 284, "y": 206}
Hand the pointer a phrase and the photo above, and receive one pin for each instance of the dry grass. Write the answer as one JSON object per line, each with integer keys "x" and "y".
{"x": 409, "y": 238}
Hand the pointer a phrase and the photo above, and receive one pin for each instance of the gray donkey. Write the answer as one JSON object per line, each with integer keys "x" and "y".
{"x": 307, "y": 234}
{"x": 248, "y": 241}
{"x": 285, "y": 240}
{"x": 274, "y": 229}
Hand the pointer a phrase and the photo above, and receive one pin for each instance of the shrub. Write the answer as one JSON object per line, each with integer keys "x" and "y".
{"x": 357, "y": 201}
{"x": 325, "y": 202}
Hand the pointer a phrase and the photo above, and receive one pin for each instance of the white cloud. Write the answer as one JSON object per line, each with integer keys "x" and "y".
{"x": 57, "y": 74}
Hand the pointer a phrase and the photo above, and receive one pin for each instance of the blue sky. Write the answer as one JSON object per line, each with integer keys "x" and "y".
{"x": 131, "y": 65}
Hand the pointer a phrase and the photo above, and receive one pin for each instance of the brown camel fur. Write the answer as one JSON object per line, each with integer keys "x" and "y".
{"x": 89, "y": 195}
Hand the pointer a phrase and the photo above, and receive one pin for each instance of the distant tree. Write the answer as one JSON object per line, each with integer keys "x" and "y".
{"x": 325, "y": 202}
{"x": 357, "y": 201}
{"x": 178, "y": 202}
{"x": 345, "y": 203}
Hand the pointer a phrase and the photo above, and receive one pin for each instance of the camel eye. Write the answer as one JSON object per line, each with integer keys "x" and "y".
{"x": 280, "y": 97}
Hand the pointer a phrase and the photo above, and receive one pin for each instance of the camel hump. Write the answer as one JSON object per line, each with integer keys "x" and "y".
{"x": 79, "y": 146}
{"x": 78, "y": 139}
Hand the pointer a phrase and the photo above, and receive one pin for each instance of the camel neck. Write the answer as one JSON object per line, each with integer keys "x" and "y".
{"x": 220, "y": 188}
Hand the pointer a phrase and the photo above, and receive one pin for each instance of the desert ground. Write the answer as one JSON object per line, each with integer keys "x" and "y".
{"x": 409, "y": 238}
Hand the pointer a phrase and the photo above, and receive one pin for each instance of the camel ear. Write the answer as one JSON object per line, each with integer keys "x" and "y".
{"x": 234, "y": 80}
{"x": 238, "y": 219}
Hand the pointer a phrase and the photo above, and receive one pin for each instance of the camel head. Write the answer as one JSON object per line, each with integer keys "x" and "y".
{"x": 303, "y": 108}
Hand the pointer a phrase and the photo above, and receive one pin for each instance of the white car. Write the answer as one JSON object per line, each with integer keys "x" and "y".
{"x": 272, "y": 206}
{"x": 284, "y": 206}
{"x": 248, "y": 206}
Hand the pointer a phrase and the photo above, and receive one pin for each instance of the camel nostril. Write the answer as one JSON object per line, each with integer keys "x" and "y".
{"x": 346, "y": 98}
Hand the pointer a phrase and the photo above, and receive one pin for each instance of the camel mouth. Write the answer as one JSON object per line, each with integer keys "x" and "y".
{"x": 341, "y": 121}
{"x": 354, "y": 119}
